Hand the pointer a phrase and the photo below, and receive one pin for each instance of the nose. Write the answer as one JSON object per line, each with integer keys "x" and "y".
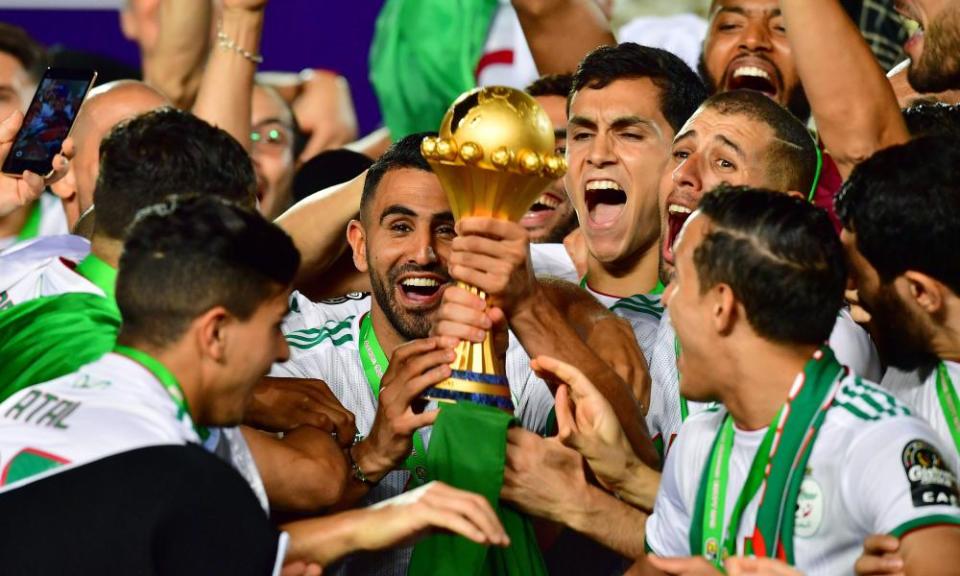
{"x": 425, "y": 253}
{"x": 601, "y": 152}
{"x": 686, "y": 176}
{"x": 756, "y": 37}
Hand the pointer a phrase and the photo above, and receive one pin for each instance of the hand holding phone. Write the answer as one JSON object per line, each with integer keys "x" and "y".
{"x": 17, "y": 191}
{"x": 48, "y": 121}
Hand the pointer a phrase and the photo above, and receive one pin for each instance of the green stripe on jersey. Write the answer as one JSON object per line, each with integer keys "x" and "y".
{"x": 311, "y": 337}
{"x": 656, "y": 313}
{"x": 868, "y": 403}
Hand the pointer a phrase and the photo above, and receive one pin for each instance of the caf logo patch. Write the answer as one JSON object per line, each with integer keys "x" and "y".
{"x": 931, "y": 481}
{"x": 712, "y": 549}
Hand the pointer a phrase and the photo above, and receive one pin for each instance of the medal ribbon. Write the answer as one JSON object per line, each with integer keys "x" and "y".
{"x": 31, "y": 227}
{"x": 776, "y": 472}
{"x": 949, "y": 403}
{"x": 375, "y": 363}
{"x": 167, "y": 379}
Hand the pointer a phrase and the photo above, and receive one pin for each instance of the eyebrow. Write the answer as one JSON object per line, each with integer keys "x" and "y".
{"x": 744, "y": 12}
{"x": 730, "y": 144}
{"x": 274, "y": 120}
{"x": 443, "y": 217}
{"x": 560, "y": 134}
{"x": 582, "y": 122}
{"x": 397, "y": 210}
{"x": 685, "y": 136}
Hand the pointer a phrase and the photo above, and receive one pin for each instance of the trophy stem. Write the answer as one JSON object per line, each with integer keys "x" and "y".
{"x": 475, "y": 376}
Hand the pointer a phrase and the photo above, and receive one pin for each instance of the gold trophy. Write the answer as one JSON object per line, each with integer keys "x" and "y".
{"x": 494, "y": 156}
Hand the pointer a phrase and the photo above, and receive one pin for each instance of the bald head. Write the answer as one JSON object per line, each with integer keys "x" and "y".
{"x": 105, "y": 107}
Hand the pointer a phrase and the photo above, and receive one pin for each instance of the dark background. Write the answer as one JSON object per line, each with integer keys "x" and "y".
{"x": 331, "y": 34}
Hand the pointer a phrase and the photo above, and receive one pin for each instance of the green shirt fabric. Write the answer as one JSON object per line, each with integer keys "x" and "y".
{"x": 424, "y": 55}
{"x": 52, "y": 336}
{"x": 49, "y": 337}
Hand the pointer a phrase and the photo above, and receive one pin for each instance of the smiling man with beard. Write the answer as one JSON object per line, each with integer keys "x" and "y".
{"x": 376, "y": 353}
{"x": 735, "y": 138}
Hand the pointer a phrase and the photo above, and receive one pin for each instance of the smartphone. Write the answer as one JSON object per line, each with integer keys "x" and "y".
{"x": 48, "y": 120}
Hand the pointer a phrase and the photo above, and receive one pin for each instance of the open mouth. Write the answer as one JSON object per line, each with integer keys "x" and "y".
{"x": 541, "y": 211}
{"x": 912, "y": 23}
{"x": 753, "y": 77}
{"x": 677, "y": 216}
{"x": 605, "y": 201}
{"x": 422, "y": 290}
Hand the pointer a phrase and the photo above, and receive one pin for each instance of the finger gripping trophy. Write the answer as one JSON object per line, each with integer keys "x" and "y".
{"x": 494, "y": 156}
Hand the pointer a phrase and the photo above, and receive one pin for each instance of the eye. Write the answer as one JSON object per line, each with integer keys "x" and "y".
{"x": 580, "y": 136}
{"x": 634, "y": 136}
{"x": 446, "y": 231}
{"x": 725, "y": 164}
{"x": 401, "y": 227}
{"x": 680, "y": 155}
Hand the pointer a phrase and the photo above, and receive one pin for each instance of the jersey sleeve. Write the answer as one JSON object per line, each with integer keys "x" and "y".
{"x": 532, "y": 398}
{"x": 668, "y": 528}
{"x": 899, "y": 478}
{"x": 309, "y": 325}
{"x": 855, "y": 349}
{"x": 552, "y": 261}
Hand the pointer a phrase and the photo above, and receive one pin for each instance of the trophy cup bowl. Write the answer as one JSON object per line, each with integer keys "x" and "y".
{"x": 494, "y": 156}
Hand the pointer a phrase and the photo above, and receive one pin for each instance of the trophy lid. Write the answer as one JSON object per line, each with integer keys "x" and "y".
{"x": 500, "y": 129}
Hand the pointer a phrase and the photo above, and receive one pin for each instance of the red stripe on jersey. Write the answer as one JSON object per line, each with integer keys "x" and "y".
{"x": 491, "y": 58}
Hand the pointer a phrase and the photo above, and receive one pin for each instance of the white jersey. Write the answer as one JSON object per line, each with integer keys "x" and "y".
{"x": 920, "y": 394}
{"x": 873, "y": 470}
{"x": 850, "y": 343}
{"x": 44, "y": 267}
{"x": 323, "y": 339}
{"x": 52, "y": 221}
{"x": 642, "y": 311}
{"x": 109, "y": 406}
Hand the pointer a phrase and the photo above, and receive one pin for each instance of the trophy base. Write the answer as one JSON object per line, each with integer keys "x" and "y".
{"x": 486, "y": 389}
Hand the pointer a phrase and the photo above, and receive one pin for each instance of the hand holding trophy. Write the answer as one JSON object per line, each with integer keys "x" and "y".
{"x": 494, "y": 156}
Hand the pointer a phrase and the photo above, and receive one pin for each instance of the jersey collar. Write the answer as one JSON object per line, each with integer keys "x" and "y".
{"x": 103, "y": 275}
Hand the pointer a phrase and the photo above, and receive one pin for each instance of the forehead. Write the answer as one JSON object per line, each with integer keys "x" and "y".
{"x": 414, "y": 189}
{"x": 268, "y": 105}
{"x": 749, "y": 7}
{"x": 626, "y": 97}
{"x": 710, "y": 125}
{"x": 556, "y": 109}
{"x": 11, "y": 69}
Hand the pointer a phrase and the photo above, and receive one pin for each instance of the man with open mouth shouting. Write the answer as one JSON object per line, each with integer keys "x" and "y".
{"x": 934, "y": 47}
{"x": 735, "y": 138}
{"x": 376, "y": 354}
{"x": 626, "y": 105}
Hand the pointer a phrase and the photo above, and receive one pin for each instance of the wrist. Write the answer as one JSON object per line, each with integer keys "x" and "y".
{"x": 640, "y": 485}
{"x": 372, "y": 465}
{"x": 584, "y": 513}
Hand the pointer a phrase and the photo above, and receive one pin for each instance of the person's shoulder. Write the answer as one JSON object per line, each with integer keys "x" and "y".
{"x": 860, "y": 403}
{"x": 310, "y": 324}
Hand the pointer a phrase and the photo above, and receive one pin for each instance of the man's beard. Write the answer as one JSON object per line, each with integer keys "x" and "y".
{"x": 900, "y": 337}
{"x": 797, "y": 102}
{"x": 938, "y": 68}
{"x": 410, "y": 325}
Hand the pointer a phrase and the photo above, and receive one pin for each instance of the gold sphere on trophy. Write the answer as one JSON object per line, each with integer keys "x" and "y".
{"x": 494, "y": 156}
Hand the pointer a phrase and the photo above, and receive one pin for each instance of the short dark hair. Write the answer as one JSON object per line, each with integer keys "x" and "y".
{"x": 681, "y": 90}
{"x": 404, "y": 153}
{"x": 903, "y": 203}
{"x": 793, "y": 159}
{"x": 780, "y": 256}
{"x": 31, "y": 54}
{"x": 551, "y": 85}
{"x": 932, "y": 119}
{"x": 164, "y": 152}
{"x": 190, "y": 254}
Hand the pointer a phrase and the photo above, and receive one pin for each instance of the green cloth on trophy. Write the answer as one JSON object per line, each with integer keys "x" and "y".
{"x": 468, "y": 448}
{"x": 424, "y": 55}
{"x": 49, "y": 337}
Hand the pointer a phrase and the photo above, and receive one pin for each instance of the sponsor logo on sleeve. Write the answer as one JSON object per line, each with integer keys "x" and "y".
{"x": 931, "y": 481}
{"x": 345, "y": 298}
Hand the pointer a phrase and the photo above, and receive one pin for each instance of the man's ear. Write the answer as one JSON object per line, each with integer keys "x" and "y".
{"x": 723, "y": 308}
{"x": 357, "y": 237}
{"x": 926, "y": 291}
{"x": 212, "y": 331}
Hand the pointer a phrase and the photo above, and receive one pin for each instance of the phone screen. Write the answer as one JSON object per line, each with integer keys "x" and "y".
{"x": 48, "y": 120}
